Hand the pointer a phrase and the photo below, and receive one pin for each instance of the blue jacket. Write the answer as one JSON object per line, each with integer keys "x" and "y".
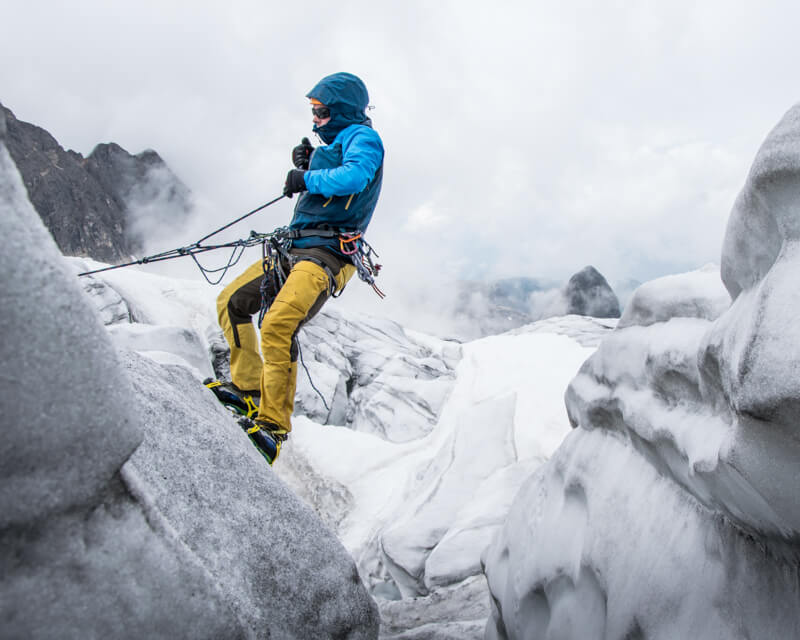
{"x": 344, "y": 177}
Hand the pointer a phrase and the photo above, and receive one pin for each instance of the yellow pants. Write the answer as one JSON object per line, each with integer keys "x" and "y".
{"x": 306, "y": 289}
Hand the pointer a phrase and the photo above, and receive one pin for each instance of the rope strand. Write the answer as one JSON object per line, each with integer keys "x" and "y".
{"x": 197, "y": 247}
{"x": 311, "y": 382}
{"x": 240, "y": 218}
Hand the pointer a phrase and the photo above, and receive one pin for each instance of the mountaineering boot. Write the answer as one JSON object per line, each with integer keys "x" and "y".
{"x": 266, "y": 436}
{"x": 242, "y": 402}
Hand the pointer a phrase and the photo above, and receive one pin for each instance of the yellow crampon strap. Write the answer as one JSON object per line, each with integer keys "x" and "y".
{"x": 252, "y": 407}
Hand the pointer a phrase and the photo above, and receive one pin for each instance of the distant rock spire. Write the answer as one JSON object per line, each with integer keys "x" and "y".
{"x": 589, "y": 294}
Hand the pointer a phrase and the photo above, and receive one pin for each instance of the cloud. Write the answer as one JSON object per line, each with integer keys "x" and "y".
{"x": 523, "y": 139}
{"x": 425, "y": 219}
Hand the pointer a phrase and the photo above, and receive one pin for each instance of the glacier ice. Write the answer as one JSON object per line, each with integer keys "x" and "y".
{"x": 667, "y": 512}
{"x": 414, "y": 517}
{"x": 79, "y": 555}
{"x": 671, "y": 510}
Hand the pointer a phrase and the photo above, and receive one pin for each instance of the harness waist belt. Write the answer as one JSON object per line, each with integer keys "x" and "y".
{"x": 307, "y": 233}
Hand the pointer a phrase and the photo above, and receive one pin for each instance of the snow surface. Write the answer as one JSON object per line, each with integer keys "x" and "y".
{"x": 671, "y": 510}
{"x": 424, "y": 510}
{"x": 433, "y": 438}
{"x": 699, "y": 294}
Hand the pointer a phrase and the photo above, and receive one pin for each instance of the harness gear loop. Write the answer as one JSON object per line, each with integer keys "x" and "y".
{"x": 349, "y": 238}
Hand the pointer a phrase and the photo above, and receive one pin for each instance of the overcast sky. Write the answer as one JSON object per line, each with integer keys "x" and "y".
{"x": 523, "y": 138}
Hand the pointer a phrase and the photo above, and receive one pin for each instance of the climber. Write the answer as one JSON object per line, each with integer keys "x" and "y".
{"x": 338, "y": 185}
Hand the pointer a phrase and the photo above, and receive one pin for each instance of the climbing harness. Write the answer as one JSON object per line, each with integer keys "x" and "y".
{"x": 351, "y": 244}
{"x": 277, "y": 260}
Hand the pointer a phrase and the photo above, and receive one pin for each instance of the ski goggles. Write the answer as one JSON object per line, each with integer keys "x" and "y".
{"x": 321, "y": 112}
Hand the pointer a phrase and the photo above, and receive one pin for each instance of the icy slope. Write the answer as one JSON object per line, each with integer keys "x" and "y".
{"x": 440, "y": 435}
{"x": 423, "y": 510}
{"x": 282, "y": 571}
{"x": 671, "y": 511}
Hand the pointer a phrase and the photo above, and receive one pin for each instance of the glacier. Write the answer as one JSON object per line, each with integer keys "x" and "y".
{"x": 424, "y": 443}
{"x": 572, "y": 478}
{"x": 670, "y": 510}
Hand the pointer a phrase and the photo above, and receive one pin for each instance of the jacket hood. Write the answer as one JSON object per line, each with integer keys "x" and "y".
{"x": 347, "y": 98}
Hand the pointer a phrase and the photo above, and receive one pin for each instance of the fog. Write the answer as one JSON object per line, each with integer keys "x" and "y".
{"x": 523, "y": 139}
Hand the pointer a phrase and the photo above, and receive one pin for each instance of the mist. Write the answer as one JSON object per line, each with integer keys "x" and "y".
{"x": 523, "y": 142}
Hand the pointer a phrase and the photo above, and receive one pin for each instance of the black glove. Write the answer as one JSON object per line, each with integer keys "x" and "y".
{"x": 295, "y": 182}
{"x": 302, "y": 153}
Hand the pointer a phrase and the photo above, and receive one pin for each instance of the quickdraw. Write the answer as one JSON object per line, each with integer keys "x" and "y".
{"x": 361, "y": 255}
{"x": 272, "y": 254}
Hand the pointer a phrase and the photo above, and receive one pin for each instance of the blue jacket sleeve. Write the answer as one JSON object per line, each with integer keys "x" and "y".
{"x": 362, "y": 154}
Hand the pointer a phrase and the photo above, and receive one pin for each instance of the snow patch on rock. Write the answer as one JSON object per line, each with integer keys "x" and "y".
{"x": 697, "y": 294}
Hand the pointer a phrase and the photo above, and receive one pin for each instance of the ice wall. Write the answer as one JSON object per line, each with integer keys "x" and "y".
{"x": 671, "y": 510}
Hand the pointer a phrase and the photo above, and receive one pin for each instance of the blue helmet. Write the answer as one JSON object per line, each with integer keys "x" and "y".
{"x": 347, "y": 98}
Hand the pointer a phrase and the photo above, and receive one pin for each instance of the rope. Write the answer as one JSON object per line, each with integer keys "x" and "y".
{"x": 311, "y": 382}
{"x": 234, "y": 258}
{"x": 240, "y": 218}
{"x": 197, "y": 247}
{"x": 272, "y": 253}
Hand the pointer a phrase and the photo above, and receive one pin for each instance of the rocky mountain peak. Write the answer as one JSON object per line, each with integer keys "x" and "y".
{"x": 94, "y": 206}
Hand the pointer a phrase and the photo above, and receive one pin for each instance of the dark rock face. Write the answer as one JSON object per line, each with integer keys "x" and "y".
{"x": 588, "y": 294}
{"x": 88, "y": 203}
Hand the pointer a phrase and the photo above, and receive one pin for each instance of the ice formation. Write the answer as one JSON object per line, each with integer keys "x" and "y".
{"x": 671, "y": 510}
{"x": 426, "y": 440}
